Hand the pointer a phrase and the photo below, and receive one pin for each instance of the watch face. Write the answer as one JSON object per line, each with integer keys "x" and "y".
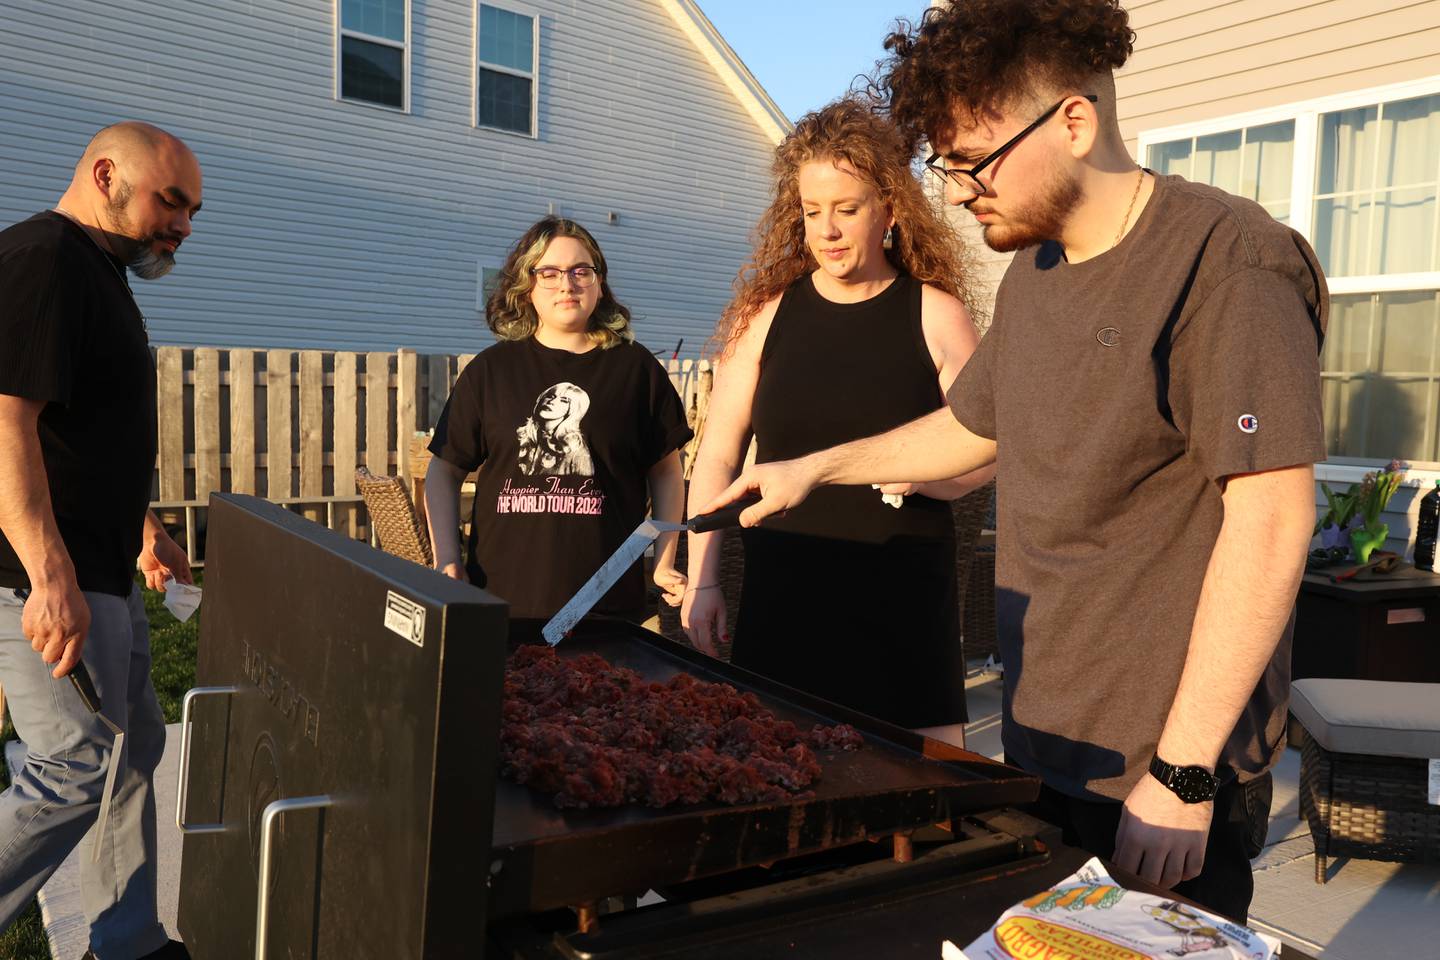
{"x": 1193, "y": 784}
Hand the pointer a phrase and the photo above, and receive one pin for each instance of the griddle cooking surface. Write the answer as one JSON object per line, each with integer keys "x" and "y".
{"x": 544, "y": 857}
{"x": 524, "y": 815}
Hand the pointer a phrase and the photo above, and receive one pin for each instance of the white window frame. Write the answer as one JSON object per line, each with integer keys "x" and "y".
{"x": 1306, "y": 115}
{"x": 340, "y": 32}
{"x": 476, "y": 63}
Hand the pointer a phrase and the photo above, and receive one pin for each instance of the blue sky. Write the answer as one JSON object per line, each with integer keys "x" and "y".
{"x": 806, "y": 52}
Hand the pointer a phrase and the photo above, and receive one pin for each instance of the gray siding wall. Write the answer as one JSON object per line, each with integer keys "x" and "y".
{"x": 348, "y": 226}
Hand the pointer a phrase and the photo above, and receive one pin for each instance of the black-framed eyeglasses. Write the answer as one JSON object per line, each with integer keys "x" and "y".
{"x": 550, "y": 278}
{"x": 969, "y": 179}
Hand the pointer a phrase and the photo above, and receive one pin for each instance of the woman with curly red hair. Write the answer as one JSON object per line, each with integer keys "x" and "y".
{"x": 849, "y": 320}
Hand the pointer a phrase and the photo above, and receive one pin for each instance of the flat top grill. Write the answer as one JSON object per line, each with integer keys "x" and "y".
{"x": 898, "y": 781}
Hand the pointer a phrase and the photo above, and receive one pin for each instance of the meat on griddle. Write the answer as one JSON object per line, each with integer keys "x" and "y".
{"x": 596, "y": 735}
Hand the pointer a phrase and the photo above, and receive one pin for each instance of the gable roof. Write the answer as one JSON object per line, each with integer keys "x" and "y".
{"x": 732, "y": 70}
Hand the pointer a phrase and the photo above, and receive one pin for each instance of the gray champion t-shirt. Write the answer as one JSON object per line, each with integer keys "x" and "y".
{"x": 1120, "y": 392}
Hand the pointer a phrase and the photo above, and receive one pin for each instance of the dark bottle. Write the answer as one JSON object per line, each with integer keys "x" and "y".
{"x": 1426, "y": 530}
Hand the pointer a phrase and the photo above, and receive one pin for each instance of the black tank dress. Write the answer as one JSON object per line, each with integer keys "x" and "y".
{"x": 846, "y": 597}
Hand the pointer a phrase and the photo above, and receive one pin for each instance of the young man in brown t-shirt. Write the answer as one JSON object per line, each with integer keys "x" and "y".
{"x": 1151, "y": 386}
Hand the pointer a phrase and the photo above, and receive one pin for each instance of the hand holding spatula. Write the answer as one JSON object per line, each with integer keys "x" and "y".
{"x": 634, "y": 546}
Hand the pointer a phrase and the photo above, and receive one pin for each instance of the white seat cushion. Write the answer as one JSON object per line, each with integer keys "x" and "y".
{"x": 1380, "y": 717}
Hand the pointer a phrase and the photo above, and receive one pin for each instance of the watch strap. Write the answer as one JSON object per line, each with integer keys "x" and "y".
{"x": 1168, "y": 774}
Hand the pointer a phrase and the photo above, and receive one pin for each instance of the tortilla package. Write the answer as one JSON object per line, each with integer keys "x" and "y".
{"x": 1089, "y": 916}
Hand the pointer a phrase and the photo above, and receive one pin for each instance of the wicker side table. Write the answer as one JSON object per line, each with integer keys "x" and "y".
{"x": 1364, "y": 769}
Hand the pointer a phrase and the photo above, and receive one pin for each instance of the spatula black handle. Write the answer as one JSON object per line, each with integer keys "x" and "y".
{"x": 727, "y": 516}
{"x": 85, "y": 687}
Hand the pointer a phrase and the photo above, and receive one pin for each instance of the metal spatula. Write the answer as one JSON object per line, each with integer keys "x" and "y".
{"x": 621, "y": 560}
{"x": 84, "y": 686}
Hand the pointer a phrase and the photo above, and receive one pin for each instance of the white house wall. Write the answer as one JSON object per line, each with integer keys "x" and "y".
{"x": 348, "y": 226}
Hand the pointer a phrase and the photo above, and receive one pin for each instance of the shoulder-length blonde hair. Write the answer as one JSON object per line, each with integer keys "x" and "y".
{"x": 511, "y": 315}
{"x": 924, "y": 245}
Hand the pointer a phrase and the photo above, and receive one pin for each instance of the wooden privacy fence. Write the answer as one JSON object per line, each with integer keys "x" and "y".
{"x": 292, "y": 425}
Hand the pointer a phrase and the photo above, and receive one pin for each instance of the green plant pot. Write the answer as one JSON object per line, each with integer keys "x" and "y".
{"x": 1365, "y": 540}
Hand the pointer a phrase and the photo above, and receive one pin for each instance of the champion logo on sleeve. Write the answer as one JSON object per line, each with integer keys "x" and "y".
{"x": 1248, "y": 423}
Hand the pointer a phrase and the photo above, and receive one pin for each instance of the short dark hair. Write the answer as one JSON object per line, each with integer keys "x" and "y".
{"x": 980, "y": 56}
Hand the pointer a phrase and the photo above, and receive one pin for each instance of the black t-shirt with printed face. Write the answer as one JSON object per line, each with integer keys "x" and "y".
{"x": 564, "y": 442}
{"x": 72, "y": 337}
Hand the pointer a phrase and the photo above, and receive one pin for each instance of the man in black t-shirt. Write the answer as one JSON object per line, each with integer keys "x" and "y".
{"x": 77, "y": 451}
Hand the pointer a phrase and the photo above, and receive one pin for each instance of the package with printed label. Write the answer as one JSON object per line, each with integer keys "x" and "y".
{"x": 1089, "y": 916}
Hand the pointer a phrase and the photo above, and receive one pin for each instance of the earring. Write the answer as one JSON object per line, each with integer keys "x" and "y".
{"x": 888, "y": 241}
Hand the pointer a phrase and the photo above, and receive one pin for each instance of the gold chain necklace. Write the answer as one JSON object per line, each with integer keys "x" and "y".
{"x": 1130, "y": 209}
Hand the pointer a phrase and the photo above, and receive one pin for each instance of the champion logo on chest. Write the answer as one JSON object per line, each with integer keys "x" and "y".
{"x": 1108, "y": 336}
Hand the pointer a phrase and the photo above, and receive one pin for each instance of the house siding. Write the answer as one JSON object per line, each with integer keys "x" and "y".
{"x": 349, "y": 226}
{"x": 1197, "y": 60}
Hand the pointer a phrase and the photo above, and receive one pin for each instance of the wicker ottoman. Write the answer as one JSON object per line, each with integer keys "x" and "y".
{"x": 1364, "y": 769}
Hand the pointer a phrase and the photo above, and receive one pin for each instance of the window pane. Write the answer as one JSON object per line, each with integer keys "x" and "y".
{"x": 379, "y": 18}
{"x": 1382, "y": 375}
{"x": 1395, "y": 419}
{"x": 504, "y": 101}
{"x": 1404, "y": 231}
{"x": 1280, "y": 210}
{"x": 1172, "y": 157}
{"x": 1348, "y": 418}
{"x": 1341, "y": 235}
{"x": 372, "y": 72}
{"x": 1217, "y": 160}
{"x": 1409, "y": 323}
{"x": 1347, "y": 338}
{"x": 1268, "y": 165}
{"x": 507, "y": 39}
{"x": 1332, "y": 404}
{"x": 1347, "y": 151}
{"x": 1409, "y": 142}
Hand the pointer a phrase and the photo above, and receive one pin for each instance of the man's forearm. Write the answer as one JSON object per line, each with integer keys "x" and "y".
{"x": 1245, "y": 603}
{"x": 934, "y": 447}
{"x": 27, "y": 517}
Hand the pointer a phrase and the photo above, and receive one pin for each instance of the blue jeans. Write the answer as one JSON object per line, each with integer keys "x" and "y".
{"x": 53, "y": 802}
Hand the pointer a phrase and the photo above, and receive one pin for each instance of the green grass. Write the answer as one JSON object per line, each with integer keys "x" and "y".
{"x": 173, "y": 647}
{"x": 25, "y": 940}
{"x": 172, "y": 651}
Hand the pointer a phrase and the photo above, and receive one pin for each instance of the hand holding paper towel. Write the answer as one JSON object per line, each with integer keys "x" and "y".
{"x": 181, "y": 599}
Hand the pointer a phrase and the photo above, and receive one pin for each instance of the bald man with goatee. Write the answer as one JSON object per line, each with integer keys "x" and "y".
{"x": 77, "y": 451}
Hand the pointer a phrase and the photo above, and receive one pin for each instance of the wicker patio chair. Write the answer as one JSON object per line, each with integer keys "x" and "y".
{"x": 1364, "y": 769}
{"x": 975, "y": 572}
{"x": 392, "y": 515}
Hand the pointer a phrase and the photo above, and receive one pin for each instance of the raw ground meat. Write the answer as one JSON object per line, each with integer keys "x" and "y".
{"x": 596, "y": 735}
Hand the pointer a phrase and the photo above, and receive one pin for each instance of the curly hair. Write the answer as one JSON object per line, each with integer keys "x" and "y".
{"x": 979, "y": 56}
{"x": 850, "y": 130}
{"x": 509, "y": 311}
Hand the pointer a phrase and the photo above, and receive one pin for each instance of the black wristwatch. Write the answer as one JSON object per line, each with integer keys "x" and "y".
{"x": 1191, "y": 784}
